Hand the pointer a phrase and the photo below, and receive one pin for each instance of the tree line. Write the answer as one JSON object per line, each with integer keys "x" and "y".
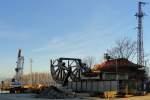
{"x": 34, "y": 78}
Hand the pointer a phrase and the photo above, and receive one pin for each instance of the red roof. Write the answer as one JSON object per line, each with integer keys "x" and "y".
{"x": 121, "y": 62}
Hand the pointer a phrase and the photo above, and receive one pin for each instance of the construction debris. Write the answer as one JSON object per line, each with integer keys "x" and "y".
{"x": 53, "y": 92}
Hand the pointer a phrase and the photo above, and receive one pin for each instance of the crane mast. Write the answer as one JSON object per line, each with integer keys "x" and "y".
{"x": 19, "y": 68}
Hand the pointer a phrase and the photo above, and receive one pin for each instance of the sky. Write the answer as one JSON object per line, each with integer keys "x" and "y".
{"x": 48, "y": 29}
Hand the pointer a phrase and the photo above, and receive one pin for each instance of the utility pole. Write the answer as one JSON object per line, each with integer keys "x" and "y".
{"x": 31, "y": 70}
{"x": 140, "y": 49}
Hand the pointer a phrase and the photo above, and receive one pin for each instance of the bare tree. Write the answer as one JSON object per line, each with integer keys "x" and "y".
{"x": 38, "y": 78}
{"x": 89, "y": 61}
{"x": 125, "y": 48}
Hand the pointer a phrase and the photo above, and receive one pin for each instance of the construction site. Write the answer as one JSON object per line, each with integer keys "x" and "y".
{"x": 116, "y": 78}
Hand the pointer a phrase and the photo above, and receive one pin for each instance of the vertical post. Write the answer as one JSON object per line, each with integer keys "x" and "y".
{"x": 117, "y": 74}
{"x": 31, "y": 71}
{"x": 116, "y": 69}
{"x": 2, "y": 86}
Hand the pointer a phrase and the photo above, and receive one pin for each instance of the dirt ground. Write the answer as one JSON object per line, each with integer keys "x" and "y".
{"x": 32, "y": 97}
{"x": 146, "y": 97}
{"x": 18, "y": 97}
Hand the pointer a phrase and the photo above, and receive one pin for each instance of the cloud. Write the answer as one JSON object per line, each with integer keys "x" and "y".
{"x": 90, "y": 42}
{"x": 76, "y": 44}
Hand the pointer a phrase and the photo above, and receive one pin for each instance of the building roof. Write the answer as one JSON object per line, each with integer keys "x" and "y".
{"x": 113, "y": 63}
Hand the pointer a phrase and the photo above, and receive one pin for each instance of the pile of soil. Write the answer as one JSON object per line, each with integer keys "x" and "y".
{"x": 53, "y": 92}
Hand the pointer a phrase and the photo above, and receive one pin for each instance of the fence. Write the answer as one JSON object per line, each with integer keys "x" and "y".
{"x": 93, "y": 86}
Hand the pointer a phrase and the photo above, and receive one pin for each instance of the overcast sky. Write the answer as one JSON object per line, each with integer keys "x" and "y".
{"x": 46, "y": 29}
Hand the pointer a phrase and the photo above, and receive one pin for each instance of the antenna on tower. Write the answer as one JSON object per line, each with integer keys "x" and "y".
{"x": 140, "y": 48}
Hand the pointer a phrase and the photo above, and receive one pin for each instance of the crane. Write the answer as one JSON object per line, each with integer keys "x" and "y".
{"x": 19, "y": 68}
{"x": 16, "y": 84}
